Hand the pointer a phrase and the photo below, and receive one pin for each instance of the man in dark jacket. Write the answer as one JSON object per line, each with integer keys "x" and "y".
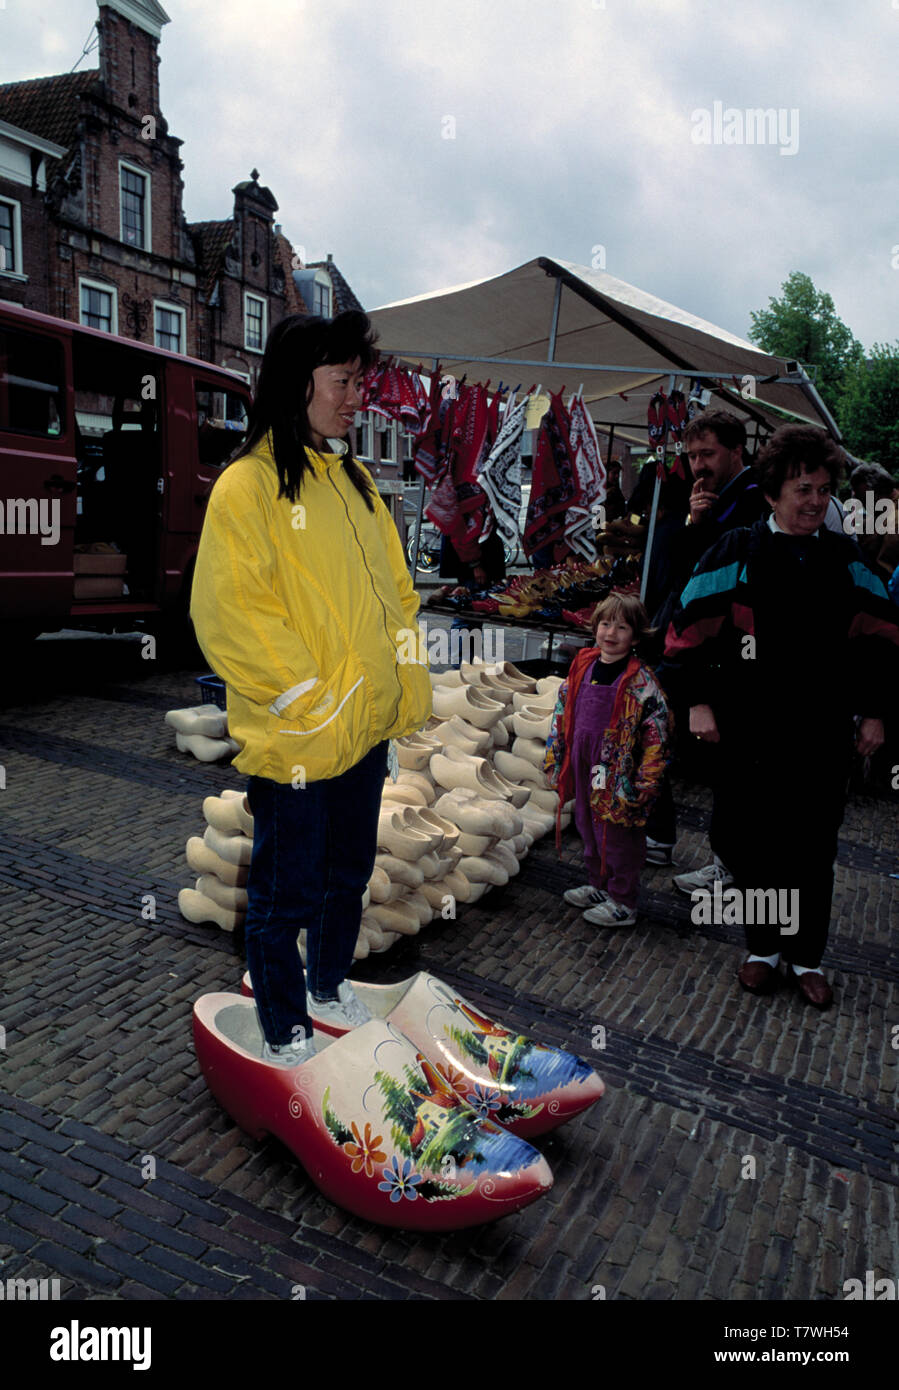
{"x": 725, "y": 495}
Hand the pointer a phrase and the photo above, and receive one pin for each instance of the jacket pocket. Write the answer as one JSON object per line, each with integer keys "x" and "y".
{"x": 331, "y": 734}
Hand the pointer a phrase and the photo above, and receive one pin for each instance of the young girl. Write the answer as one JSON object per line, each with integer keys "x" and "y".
{"x": 608, "y": 748}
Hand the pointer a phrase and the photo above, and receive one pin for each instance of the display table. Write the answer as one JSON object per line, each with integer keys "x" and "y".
{"x": 546, "y": 626}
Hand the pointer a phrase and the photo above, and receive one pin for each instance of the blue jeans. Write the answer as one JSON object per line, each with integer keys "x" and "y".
{"x": 313, "y": 853}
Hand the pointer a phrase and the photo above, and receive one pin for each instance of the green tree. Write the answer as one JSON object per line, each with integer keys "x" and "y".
{"x": 868, "y": 413}
{"x": 803, "y": 324}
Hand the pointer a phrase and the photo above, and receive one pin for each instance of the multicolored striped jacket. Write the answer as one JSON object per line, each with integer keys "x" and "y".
{"x": 767, "y": 624}
{"x": 635, "y": 746}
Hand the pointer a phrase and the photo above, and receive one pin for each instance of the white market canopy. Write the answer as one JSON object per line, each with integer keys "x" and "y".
{"x": 555, "y": 324}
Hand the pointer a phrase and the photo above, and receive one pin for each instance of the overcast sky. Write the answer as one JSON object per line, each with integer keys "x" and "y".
{"x": 576, "y": 124}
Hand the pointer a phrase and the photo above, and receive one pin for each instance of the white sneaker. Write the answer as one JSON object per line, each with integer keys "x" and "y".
{"x": 611, "y": 914}
{"x": 703, "y": 878}
{"x": 588, "y": 896}
{"x": 346, "y": 1011}
{"x": 658, "y": 851}
{"x": 290, "y": 1054}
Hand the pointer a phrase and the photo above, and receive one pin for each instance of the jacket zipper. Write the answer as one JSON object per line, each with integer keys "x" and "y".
{"x": 374, "y": 591}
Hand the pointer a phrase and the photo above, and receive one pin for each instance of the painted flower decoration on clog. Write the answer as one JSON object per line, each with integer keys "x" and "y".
{"x": 365, "y": 1152}
{"x": 400, "y": 1182}
{"x": 484, "y": 1101}
{"x": 457, "y": 1080}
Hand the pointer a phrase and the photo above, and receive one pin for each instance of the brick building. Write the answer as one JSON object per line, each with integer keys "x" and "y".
{"x": 92, "y": 225}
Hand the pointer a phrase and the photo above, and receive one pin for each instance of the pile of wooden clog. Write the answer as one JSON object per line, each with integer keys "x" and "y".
{"x": 203, "y": 731}
{"x": 469, "y": 801}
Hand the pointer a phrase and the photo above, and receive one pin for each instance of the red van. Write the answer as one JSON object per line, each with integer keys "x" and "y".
{"x": 108, "y": 451}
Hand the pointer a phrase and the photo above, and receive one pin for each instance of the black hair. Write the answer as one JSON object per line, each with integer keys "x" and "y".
{"x": 796, "y": 449}
{"x": 295, "y": 347}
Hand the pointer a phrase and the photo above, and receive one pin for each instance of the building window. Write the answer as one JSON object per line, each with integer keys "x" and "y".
{"x": 365, "y": 436}
{"x": 170, "y": 327}
{"x": 388, "y": 441}
{"x": 99, "y": 308}
{"x": 321, "y": 299}
{"x": 10, "y": 238}
{"x": 254, "y": 311}
{"x": 134, "y": 204}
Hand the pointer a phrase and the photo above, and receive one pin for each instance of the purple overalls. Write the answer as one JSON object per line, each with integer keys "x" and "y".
{"x": 625, "y": 845}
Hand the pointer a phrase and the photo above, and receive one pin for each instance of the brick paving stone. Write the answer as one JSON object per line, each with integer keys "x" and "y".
{"x": 699, "y": 1074}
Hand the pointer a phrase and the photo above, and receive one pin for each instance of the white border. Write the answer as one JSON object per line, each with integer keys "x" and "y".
{"x": 247, "y": 294}
{"x": 16, "y": 271}
{"x": 107, "y": 289}
{"x": 148, "y": 205}
{"x": 172, "y": 309}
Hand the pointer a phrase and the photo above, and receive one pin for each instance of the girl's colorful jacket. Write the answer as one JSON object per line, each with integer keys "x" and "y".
{"x": 635, "y": 747}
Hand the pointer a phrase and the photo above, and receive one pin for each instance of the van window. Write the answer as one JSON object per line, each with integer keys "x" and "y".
{"x": 221, "y": 424}
{"x": 31, "y": 384}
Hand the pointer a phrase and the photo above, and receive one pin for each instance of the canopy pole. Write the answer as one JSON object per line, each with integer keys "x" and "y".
{"x": 644, "y": 581}
{"x": 554, "y": 324}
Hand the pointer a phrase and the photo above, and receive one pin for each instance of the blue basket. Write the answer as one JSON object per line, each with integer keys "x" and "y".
{"x": 212, "y": 690}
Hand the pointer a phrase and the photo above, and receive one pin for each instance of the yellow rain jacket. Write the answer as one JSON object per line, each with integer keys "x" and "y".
{"x": 306, "y": 611}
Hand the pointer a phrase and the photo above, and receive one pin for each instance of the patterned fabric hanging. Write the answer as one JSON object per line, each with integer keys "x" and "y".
{"x": 397, "y": 394}
{"x": 554, "y": 485}
{"x": 580, "y": 522}
{"x": 500, "y": 473}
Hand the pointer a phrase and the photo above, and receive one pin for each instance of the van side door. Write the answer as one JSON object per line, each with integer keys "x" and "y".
{"x": 38, "y": 476}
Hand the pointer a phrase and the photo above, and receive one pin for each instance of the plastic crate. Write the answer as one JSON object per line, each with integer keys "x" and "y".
{"x": 212, "y": 691}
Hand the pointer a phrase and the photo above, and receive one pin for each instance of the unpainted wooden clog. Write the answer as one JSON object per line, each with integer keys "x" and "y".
{"x": 546, "y": 702}
{"x": 397, "y": 916}
{"x": 469, "y": 703}
{"x": 397, "y": 837}
{"x": 458, "y": 730}
{"x": 414, "y": 751}
{"x": 207, "y": 720}
{"x": 197, "y": 907}
{"x": 401, "y": 871}
{"x": 231, "y": 845}
{"x": 233, "y": 898}
{"x": 203, "y": 860}
{"x": 402, "y": 794}
{"x": 229, "y": 814}
{"x": 206, "y": 750}
{"x": 530, "y": 723}
{"x": 518, "y": 770}
{"x": 481, "y": 868}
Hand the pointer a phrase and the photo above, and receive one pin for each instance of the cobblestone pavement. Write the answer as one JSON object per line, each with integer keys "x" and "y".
{"x": 653, "y": 1197}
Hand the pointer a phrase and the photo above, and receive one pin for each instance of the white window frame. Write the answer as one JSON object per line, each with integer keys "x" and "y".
{"x": 323, "y": 283}
{"x": 171, "y": 309}
{"x": 86, "y": 283}
{"x": 247, "y": 296}
{"x": 16, "y": 271}
{"x": 148, "y": 224}
{"x": 366, "y": 421}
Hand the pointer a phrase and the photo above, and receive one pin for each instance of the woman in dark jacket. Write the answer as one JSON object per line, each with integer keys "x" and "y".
{"x": 784, "y": 638}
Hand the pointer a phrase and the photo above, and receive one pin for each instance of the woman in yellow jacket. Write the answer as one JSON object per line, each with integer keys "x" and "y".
{"x": 303, "y": 605}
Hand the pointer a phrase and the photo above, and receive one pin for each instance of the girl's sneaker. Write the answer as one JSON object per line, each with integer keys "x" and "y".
{"x": 611, "y": 914}
{"x": 588, "y": 896}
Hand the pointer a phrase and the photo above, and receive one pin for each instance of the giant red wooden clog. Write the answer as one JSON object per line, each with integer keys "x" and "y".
{"x": 377, "y": 1127}
{"x": 524, "y": 1086}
